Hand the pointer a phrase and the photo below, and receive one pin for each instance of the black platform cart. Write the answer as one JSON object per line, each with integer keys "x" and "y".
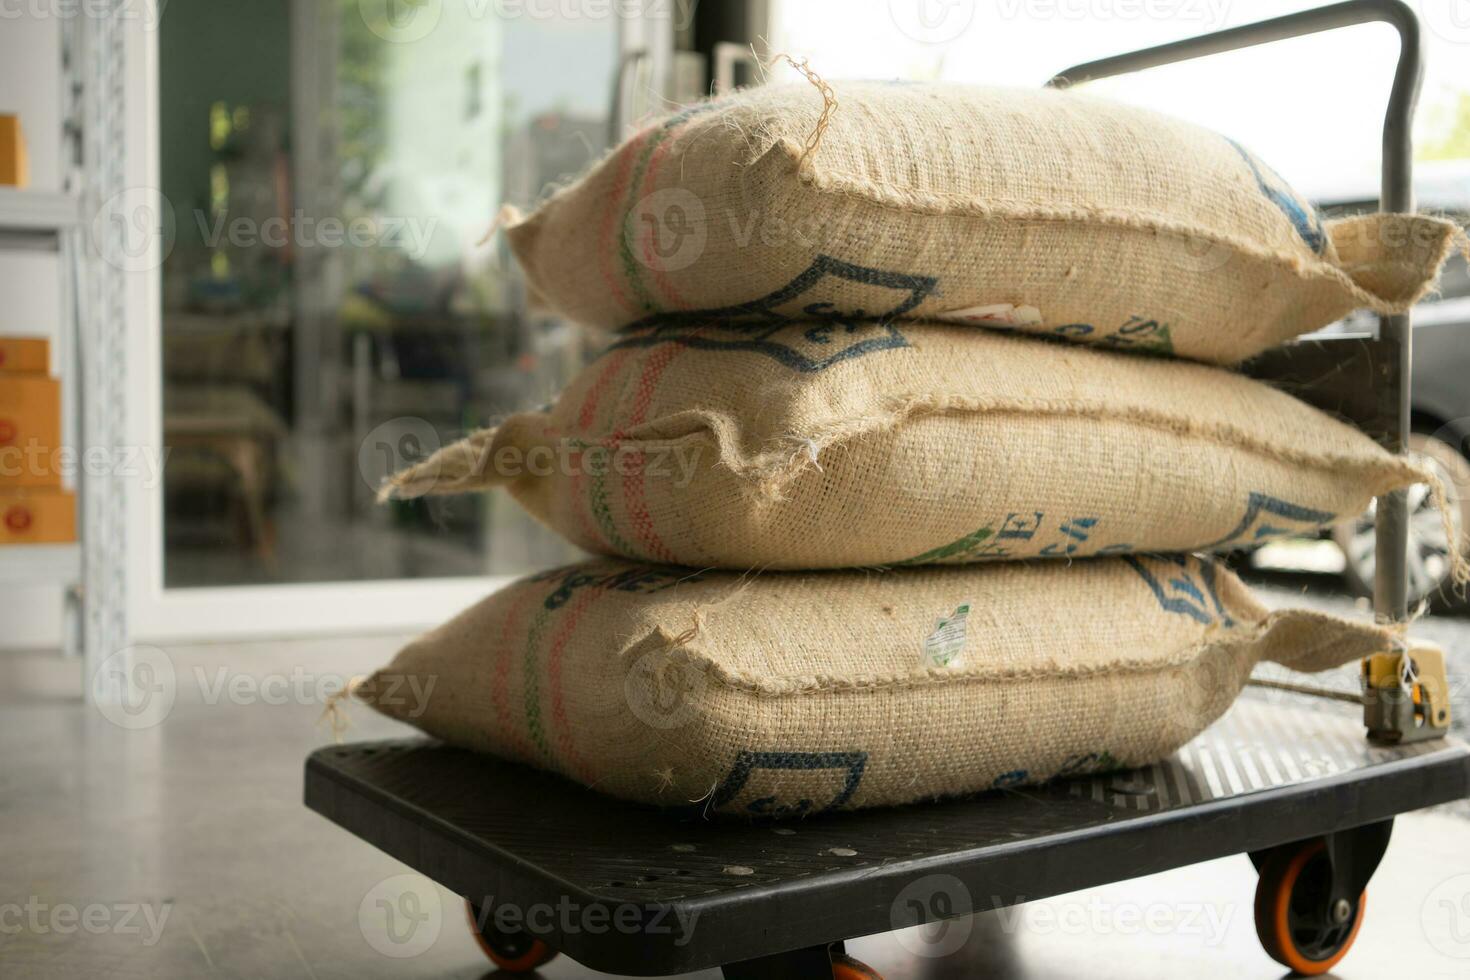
{"x": 633, "y": 890}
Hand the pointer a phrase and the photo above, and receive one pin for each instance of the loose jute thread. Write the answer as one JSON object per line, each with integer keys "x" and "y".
{"x": 829, "y": 103}
{"x": 1408, "y": 675}
{"x": 508, "y": 214}
{"x": 335, "y": 714}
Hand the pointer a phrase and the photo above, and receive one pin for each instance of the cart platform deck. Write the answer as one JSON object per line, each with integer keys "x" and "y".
{"x": 692, "y": 892}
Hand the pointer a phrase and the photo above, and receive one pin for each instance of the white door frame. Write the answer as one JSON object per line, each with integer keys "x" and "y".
{"x": 158, "y": 614}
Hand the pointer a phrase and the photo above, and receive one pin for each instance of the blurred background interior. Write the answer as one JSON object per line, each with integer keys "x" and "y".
{"x": 296, "y": 374}
{"x": 326, "y": 305}
{"x": 303, "y": 294}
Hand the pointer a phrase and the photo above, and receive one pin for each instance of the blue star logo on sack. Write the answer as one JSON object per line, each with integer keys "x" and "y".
{"x": 827, "y": 335}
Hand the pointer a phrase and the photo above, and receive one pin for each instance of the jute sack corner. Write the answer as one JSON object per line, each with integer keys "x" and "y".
{"x": 790, "y": 694}
{"x": 1039, "y": 210}
{"x": 828, "y": 446}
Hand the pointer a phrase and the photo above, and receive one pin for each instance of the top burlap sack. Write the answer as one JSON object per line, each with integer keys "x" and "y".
{"x": 1039, "y": 210}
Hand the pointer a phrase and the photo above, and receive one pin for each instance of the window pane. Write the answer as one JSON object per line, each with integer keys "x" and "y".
{"x": 328, "y": 315}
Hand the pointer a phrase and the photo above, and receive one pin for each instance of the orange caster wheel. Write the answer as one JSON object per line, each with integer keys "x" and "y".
{"x": 844, "y": 967}
{"x": 513, "y": 952}
{"x": 1293, "y": 919}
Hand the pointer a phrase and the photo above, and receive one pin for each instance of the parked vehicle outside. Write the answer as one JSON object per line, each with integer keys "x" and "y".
{"x": 1440, "y": 401}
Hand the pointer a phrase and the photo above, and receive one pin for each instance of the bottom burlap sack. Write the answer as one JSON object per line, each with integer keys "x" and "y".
{"x": 790, "y": 694}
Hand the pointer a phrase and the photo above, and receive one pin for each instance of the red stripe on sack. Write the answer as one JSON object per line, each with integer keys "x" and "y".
{"x": 586, "y": 417}
{"x": 609, "y": 220}
{"x": 588, "y": 413}
{"x": 660, "y": 276}
{"x": 520, "y": 745}
{"x": 635, "y": 496}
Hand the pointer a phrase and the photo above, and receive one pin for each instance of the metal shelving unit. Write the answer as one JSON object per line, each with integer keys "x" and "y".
{"x": 37, "y": 218}
{"x": 50, "y": 222}
{"x": 41, "y": 564}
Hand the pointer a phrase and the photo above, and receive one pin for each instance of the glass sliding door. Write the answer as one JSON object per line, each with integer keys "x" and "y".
{"x": 329, "y": 313}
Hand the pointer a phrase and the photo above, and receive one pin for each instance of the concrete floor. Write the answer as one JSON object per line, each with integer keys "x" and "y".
{"x": 181, "y": 849}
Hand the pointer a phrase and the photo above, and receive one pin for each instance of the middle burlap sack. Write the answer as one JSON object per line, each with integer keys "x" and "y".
{"x": 788, "y": 694}
{"x": 831, "y": 446}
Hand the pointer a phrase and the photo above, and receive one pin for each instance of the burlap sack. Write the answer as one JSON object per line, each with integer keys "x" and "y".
{"x": 790, "y": 694}
{"x": 1037, "y": 210}
{"x": 822, "y": 446}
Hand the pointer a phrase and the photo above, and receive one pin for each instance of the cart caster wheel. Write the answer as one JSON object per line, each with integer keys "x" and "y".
{"x": 844, "y": 967}
{"x": 513, "y": 952}
{"x": 1292, "y": 920}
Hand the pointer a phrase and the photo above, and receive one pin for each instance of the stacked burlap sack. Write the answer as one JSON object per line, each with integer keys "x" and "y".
{"x": 894, "y": 500}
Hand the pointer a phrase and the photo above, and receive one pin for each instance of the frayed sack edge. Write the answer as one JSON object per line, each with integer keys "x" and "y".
{"x": 1343, "y": 641}
{"x": 467, "y": 464}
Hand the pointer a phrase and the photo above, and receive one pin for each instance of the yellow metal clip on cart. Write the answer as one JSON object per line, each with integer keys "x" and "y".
{"x": 1406, "y": 695}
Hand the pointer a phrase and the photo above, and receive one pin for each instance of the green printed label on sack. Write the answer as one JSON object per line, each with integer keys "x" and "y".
{"x": 945, "y": 647}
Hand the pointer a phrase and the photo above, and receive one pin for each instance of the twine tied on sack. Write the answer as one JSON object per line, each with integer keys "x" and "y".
{"x": 1459, "y": 565}
{"x": 508, "y": 214}
{"x": 1399, "y": 640}
{"x": 689, "y": 635}
{"x": 334, "y": 714}
{"x": 456, "y": 468}
{"x": 829, "y": 103}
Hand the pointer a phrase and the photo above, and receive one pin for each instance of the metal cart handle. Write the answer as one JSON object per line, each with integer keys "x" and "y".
{"x": 1390, "y": 592}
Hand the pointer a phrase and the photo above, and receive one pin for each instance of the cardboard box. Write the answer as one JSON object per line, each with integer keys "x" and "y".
{"x": 25, "y": 355}
{"x": 30, "y": 432}
{"x": 42, "y": 517}
{"x": 14, "y": 164}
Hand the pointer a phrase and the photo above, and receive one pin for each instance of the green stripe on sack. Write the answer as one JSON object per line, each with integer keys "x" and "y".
{"x": 597, "y": 502}
{"x": 953, "y": 549}
{"x": 631, "y": 266}
{"x": 532, "y": 681}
